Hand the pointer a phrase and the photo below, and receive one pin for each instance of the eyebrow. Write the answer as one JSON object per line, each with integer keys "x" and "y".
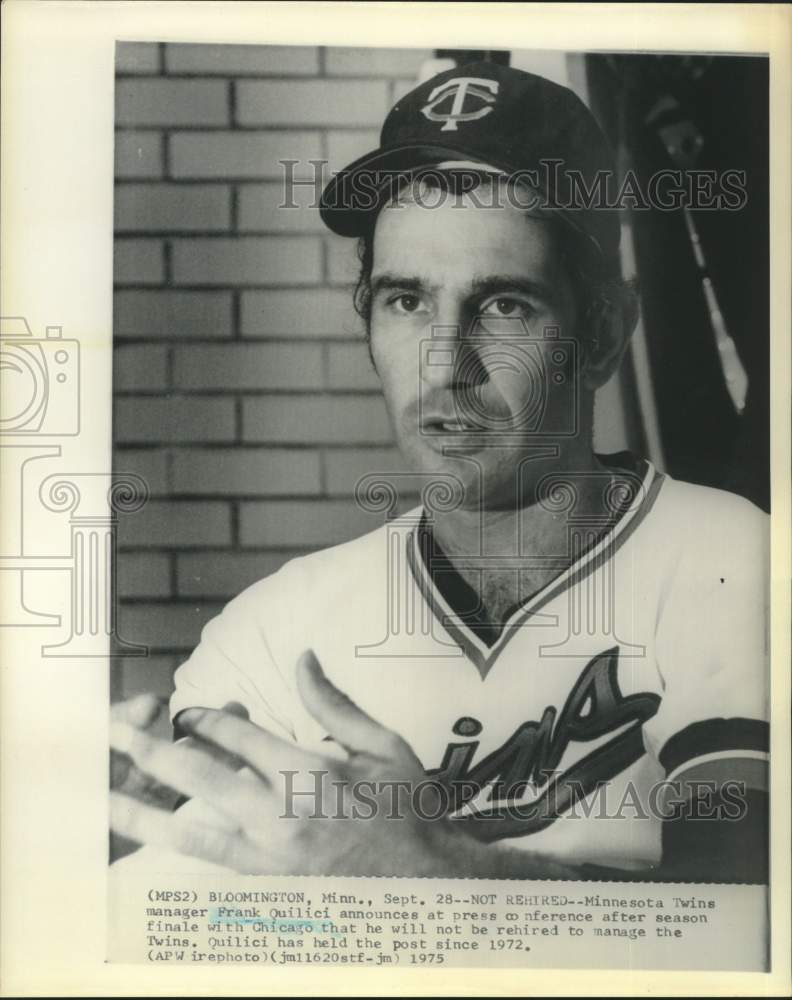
{"x": 491, "y": 284}
{"x": 388, "y": 281}
{"x": 497, "y": 283}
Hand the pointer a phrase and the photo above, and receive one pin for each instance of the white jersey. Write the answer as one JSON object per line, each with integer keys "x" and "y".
{"x": 643, "y": 659}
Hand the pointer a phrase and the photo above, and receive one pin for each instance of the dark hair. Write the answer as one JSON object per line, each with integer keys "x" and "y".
{"x": 599, "y": 287}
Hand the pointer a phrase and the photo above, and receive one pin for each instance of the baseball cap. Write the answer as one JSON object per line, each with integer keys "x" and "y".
{"x": 483, "y": 112}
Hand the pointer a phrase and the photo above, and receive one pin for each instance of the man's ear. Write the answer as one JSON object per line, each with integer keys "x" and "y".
{"x": 608, "y": 332}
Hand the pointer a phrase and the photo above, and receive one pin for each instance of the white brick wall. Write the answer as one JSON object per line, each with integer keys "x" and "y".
{"x": 140, "y": 57}
{"x": 173, "y": 419}
{"x": 246, "y": 472}
{"x": 247, "y": 260}
{"x": 147, "y": 101}
{"x": 249, "y": 366}
{"x": 248, "y": 155}
{"x": 174, "y": 524}
{"x": 244, "y": 393}
{"x": 375, "y": 62}
{"x": 166, "y": 313}
{"x": 311, "y": 312}
{"x": 339, "y": 419}
{"x": 320, "y": 102}
{"x": 240, "y": 60}
{"x": 265, "y": 208}
{"x": 138, "y": 154}
{"x": 144, "y": 574}
{"x": 138, "y": 262}
{"x": 142, "y": 367}
{"x": 172, "y": 208}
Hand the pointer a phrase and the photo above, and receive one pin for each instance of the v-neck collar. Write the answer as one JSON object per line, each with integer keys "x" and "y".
{"x": 479, "y": 639}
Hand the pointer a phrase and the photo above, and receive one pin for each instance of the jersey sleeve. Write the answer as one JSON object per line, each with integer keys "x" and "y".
{"x": 234, "y": 662}
{"x": 712, "y": 653}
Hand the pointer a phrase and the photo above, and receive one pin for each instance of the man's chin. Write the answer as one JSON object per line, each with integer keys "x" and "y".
{"x": 461, "y": 463}
{"x": 452, "y": 479}
{"x": 474, "y": 482}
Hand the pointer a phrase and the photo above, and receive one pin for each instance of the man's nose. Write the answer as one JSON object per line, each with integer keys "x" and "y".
{"x": 449, "y": 357}
{"x": 440, "y": 356}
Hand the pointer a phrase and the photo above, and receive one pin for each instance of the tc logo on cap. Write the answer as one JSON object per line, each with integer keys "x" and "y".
{"x": 460, "y": 88}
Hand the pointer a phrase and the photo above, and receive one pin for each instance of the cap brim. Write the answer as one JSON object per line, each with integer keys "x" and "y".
{"x": 355, "y": 193}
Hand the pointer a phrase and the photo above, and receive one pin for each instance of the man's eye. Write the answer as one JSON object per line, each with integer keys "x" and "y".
{"x": 505, "y": 306}
{"x": 406, "y": 303}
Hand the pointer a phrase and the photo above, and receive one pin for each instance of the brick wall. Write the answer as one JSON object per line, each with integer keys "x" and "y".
{"x": 243, "y": 392}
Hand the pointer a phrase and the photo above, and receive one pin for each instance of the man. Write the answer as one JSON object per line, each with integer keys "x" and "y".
{"x": 553, "y": 667}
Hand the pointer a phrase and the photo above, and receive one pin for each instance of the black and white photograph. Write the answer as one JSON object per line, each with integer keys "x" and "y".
{"x": 430, "y": 573}
{"x": 547, "y": 657}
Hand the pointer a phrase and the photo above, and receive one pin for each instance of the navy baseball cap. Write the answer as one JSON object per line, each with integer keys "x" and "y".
{"x": 522, "y": 124}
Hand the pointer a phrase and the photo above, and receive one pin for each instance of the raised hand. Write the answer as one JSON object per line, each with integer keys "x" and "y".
{"x": 259, "y": 822}
{"x": 271, "y": 807}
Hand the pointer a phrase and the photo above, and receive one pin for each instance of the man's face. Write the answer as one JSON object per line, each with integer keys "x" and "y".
{"x": 472, "y": 320}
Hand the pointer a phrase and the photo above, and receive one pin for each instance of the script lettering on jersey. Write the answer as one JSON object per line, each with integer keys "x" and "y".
{"x": 496, "y": 787}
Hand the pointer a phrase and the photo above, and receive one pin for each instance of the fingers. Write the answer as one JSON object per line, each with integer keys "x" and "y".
{"x": 193, "y": 771}
{"x": 347, "y": 724}
{"x": 126, "y": 778}
{"x": 146, "y": 825}
{"x": 217, "y": 753}
{"x": 140, "y": 711}
{"x": 237, "y": 709}
{"x": 266, "y": 753}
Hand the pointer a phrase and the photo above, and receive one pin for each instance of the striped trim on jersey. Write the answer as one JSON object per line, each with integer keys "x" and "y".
{"x": 474, "y": 647}
{"x": 720, "y": 750}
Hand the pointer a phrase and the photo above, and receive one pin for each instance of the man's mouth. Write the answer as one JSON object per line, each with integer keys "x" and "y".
{"x": 451, "y": 426}
{"x": 456, "y": 427}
